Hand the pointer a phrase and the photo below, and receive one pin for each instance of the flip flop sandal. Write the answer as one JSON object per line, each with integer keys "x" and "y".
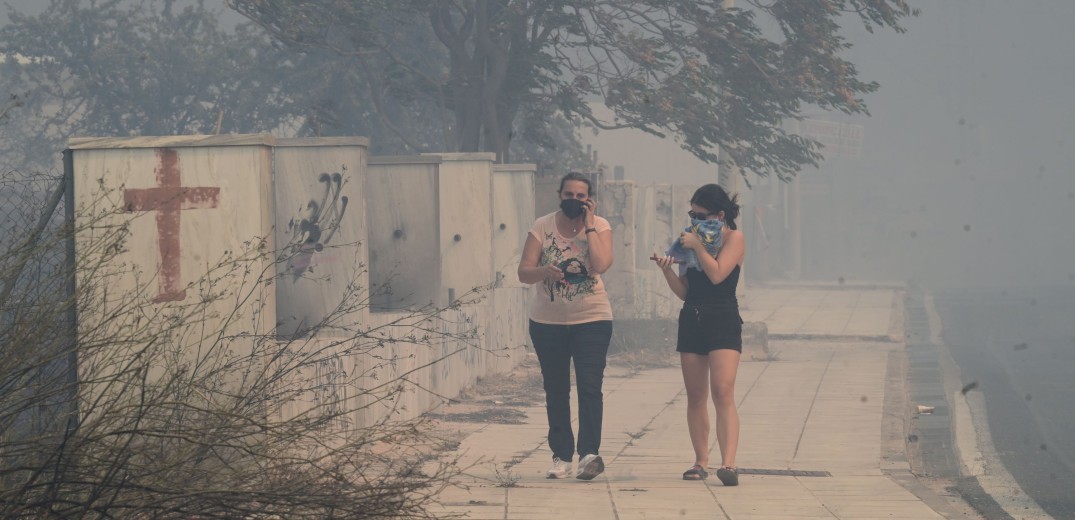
{"x": 728, "y": 476}
{"x": 695, "y": 473}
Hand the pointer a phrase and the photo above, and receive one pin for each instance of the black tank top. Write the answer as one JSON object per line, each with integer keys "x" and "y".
{"x": 700, "y": 291}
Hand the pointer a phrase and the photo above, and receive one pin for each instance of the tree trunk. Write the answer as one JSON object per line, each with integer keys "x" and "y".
{"x": 483, "y": 101}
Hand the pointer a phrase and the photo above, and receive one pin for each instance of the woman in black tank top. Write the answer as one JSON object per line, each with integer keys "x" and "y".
{"x": 710, "y": 337}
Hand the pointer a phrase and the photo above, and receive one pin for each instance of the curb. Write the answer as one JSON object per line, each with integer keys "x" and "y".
{"x": 897, "y": 453}
{"x": 837, "y": 338}
{"x": 985, "y": 484}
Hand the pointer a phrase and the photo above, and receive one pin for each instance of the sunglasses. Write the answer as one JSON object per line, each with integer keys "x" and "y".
{"x": 697, "y": 215}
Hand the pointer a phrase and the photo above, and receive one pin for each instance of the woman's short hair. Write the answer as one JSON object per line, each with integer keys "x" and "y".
{"x": 576, "y": 176}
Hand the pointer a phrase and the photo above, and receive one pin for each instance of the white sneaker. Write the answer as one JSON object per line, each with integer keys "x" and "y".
{"x": 559, "y": 469}
{"x": 590, "y": 466}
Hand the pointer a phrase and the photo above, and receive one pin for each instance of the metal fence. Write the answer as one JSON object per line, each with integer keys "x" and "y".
{"x": 37, "y": 340}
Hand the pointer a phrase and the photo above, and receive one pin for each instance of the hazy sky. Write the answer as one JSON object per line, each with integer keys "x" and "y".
{"x": 967, "y": 146}
{"x": 970, "y": 131}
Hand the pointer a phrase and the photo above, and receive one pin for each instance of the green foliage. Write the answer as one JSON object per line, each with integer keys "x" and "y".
{"x": 161, "y": 67}
{"x": 707, "y": 75}
{"x": 134, "y": 68}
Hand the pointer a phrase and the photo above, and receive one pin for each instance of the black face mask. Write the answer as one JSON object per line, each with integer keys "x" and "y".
{"x": 572, "y": 208}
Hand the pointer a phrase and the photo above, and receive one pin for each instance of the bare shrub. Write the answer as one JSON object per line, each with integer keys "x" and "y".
{"x": 188, "y": 411}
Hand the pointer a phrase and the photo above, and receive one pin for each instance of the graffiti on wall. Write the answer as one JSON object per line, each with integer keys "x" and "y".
{"x": 330, "y": 392}
{"x": 318, "y": 223}
{"x": 167, "y": 199}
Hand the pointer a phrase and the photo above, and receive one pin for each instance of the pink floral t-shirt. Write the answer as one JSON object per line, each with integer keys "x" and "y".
{"x": 580, "y": 296}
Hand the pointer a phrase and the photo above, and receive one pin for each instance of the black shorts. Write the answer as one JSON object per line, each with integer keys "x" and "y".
{"x": 703, "y": 329}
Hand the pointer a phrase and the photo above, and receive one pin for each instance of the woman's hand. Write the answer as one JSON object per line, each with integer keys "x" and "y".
{"x": 551, "y": 272}
{"x": 690, "y": 240}
{"x": 664, "y": 262}
{"x": 589, "y": 207}
{"x": 677, "y": 283}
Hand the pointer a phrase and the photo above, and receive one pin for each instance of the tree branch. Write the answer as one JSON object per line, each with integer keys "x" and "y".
{"x": 375, "y": 97}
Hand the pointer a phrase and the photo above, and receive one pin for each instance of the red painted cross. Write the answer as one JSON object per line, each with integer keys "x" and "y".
{"x": 167, "y": 200}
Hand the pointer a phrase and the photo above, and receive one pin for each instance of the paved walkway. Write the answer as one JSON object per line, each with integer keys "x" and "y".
{"x": 826, "y": 411}
{"x": 827, "y": 312}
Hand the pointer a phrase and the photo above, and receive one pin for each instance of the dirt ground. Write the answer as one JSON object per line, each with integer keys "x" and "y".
{"x": 498, "y": 398}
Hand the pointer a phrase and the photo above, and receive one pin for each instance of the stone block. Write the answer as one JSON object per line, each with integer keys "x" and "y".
{"x": 755, "y": 341}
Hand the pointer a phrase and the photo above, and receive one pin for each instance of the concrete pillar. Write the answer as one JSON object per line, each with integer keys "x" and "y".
{"x": 619, "y": 206}
{"x": 645, "y": 224}
{"x": 668, "y": 221}
{"x": 546, "y": 199}
{"x": 192, "y": 276}
{"x": 322, "y": 275}
{"x": 681, "y": 204}
{"x": 667, "y": 226}
{"x": 404, "y": 234}
{"x": 443, "y": 224}
{"x": 430, "y": 227}
{"x": 321, "y": 233}
{"x": 794, "y": 212}
{"x": 512, "y": 215}
{"x": 464, "y": 209}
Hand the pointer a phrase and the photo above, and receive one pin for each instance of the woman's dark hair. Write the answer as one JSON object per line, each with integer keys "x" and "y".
{"x": 576, "y": 176}
{"x": 714, "y": 199}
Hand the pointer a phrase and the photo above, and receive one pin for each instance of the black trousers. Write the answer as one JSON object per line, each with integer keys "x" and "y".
{"x": 556, "y": 346}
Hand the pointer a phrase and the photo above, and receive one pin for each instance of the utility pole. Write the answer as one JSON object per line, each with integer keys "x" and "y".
{"x": 727, "y": 172}
{"x": 793, "y": 217}
{"x": 728, "y": 176}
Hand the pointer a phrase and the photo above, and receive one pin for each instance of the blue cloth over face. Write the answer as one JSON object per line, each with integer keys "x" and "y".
{"x": 710, "y": 232}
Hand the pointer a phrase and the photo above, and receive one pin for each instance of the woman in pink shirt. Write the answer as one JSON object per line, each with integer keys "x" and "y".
{"x": 571, "y": 319}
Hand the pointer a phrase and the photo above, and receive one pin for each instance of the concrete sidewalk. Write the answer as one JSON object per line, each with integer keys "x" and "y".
{"x": 822, "y": 431}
